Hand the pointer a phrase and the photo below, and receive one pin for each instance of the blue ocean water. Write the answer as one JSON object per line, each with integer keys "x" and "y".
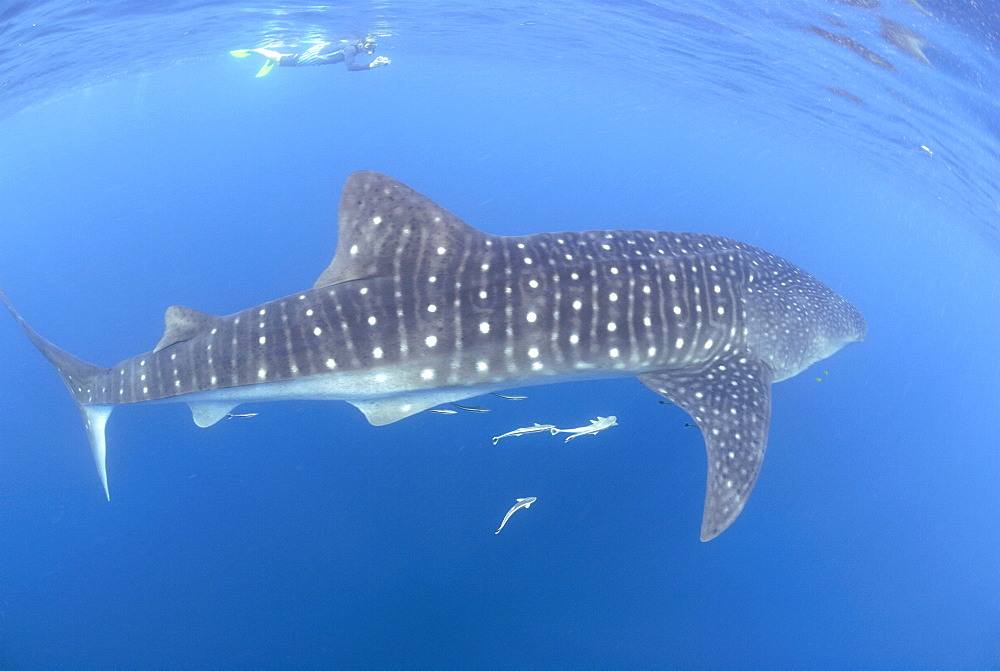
{"x": 143, "y": 167}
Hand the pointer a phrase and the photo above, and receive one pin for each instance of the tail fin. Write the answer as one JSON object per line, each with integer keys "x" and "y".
{"x": 79, "y": 377}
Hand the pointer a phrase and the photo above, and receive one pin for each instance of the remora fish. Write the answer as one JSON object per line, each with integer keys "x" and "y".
{"x": 418, "y": 308}
{"x": 471, "y": 408}
{"x": 523, "y": 431}
{"x": 595, "y": 426}
{"x": 521, "y": 503}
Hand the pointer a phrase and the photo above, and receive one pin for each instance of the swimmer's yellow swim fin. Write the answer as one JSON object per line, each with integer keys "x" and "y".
{"x": 267, "y": 67}
{"x": 240, "y": 53}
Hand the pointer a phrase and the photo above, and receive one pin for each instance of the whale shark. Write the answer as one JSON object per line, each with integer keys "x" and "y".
{"x": 418, "y": 308}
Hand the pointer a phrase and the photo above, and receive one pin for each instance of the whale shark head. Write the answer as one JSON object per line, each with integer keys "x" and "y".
{"x": 793, "y": 320}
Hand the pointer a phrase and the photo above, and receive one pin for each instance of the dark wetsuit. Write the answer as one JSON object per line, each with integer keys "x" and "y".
{"x": 326, "y": 54}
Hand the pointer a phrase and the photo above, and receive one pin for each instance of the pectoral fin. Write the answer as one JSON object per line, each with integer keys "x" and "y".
{"x": 730, "y": 400}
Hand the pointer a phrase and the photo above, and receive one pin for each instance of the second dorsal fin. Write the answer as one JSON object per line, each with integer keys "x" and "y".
{"x": 181, "y": 323}
{"x": 386, "y": 228}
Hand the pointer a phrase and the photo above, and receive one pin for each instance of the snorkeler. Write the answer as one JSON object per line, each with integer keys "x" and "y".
{"x": 325, "y": 53}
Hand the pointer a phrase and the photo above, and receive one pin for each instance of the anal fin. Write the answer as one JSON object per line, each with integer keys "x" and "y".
{"x": 730, "y": 400}
{"x": 206, "y": 414}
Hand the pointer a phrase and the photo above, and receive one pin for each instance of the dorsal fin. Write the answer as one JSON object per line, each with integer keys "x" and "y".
{"x": 387, "y": 229}
{"x": 182, "y": 324}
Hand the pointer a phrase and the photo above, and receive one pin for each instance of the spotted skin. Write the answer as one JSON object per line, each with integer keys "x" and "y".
{"x": 418, "y": 308}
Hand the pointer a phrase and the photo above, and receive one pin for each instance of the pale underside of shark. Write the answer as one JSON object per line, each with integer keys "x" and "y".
{"x": 418, "y": 308}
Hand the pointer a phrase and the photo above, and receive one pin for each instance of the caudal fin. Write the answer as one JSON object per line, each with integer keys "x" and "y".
{"x": 80, "y": 378}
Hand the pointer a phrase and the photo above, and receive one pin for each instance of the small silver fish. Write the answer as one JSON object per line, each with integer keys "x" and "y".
{"x": 444, "y": 411}
{"x": 245, "y": 414}
{"x": 537, "y": 428}
{"x": 512, "y": 397}
{"x": 521, "y": 503}
{"x": 596, "y": 425}
{"x": 470, "y": 408}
